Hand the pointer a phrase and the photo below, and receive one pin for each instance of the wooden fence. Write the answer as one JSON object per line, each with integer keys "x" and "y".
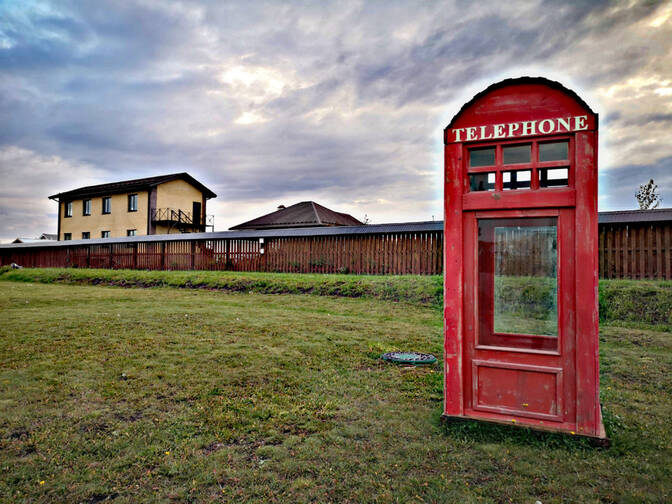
{"x": 419, "y": 253}
{"x": 636, "y": 250}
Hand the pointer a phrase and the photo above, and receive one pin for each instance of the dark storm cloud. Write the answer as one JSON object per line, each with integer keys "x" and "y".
{"x": 267, "y": 101}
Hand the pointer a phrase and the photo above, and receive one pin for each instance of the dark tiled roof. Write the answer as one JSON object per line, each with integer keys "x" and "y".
{"x": 130, "y": 186}
{"x": 304, "y": 214}
{"x": 632, "y": 216}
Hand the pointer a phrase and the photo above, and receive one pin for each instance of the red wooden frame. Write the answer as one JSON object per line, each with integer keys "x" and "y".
{"x": 538, "y": 381}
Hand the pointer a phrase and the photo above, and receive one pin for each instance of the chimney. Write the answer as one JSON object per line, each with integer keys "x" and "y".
{"x": 281, "y": 207}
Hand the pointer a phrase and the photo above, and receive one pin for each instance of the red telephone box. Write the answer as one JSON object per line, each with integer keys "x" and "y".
{"x": 520, "y": 265}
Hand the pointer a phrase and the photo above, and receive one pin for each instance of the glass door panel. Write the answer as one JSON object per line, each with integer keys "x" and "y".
{"x": 518, "y": 282}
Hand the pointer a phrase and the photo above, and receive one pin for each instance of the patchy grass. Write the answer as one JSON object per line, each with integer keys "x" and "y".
{"x": 167, "y": 395}
{"x": 637, "y": 303}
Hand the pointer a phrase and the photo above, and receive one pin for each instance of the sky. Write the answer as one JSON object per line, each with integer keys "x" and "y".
{"x": 342, "y": 103}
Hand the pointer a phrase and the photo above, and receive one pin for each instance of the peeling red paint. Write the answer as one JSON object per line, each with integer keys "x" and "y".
{"x": 543, "y": 381}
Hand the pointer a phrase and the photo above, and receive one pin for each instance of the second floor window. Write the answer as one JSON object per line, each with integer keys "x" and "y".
{"x": 67, "y": 236}
{"x": 130, "y": 232}
{"x": 104, "y": 234}
{"x": 86, "y": 235}
{"x": 132, "y": 202}
{"x": 68, "y": 209}
{"x": 107, "y": 205}
{"x": 86, "y": 207}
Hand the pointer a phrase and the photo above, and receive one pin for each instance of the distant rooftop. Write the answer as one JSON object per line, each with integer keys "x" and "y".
{"x": 304, "y": 214}
{"x": 627, "y": 216}
{"x": 130, "y": 186}
{"x": 43, "y": 236}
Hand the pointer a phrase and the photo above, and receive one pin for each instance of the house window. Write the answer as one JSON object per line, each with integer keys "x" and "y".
{"x": 104, "y": 234}
{"x": 86, "y": 235}
{"x": 67, "y": 236}
{"x": 130, "y": 232}
{"x": 68, "y": 209}
{"x": 107, "y": 205}
{"x": 86, "y": 207}
{"x": 132, "y": 202}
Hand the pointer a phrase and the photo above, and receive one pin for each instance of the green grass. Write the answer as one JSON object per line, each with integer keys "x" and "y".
{"x": 526, "y": 305}
{"x": 637, "y": 303}
{"x": 640, "y": 304}
{"x": 422, "y": 290}
{"x": 176, "y": 395}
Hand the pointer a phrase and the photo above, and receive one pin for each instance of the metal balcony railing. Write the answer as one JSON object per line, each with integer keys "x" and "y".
{"x": 180, "y": 219}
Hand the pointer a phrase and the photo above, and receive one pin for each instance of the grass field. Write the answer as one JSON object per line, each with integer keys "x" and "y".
{"x": 174, "y": 395}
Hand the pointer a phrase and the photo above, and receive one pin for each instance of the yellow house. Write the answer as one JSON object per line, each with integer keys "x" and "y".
{"x": 154, "y": 205}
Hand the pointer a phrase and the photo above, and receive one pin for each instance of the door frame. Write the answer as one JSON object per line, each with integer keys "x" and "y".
{"x": 560, "y": 362}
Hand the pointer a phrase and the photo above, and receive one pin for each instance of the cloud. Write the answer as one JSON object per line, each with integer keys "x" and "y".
{"x": 340, "y": 102}
{"x": 28, "y": 179}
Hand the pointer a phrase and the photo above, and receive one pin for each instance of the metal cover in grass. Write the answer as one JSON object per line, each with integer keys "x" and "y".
{"x": 414, "y": 358}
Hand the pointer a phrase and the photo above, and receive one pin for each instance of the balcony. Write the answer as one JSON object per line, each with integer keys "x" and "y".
{"x": 183, "y": 221}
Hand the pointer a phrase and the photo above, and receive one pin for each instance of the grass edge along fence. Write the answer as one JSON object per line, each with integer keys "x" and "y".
{"x": 636, "y": 303}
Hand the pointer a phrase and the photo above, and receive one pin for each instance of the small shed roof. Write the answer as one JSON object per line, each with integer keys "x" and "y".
{"x": 304, "y": 214}
{"x": 125, "y": 186}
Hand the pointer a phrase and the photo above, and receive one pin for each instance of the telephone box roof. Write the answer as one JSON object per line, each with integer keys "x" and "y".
{"x": 518, "y": 81}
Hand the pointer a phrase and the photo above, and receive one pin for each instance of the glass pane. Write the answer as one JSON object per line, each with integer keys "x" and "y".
{"x": 482, "y": 182}
{"x": 482, "y": 157}
{"x": 516, "y": 179}
{"x": 518, "y": 283}
{"x": 555, "y": 151}
{"x": 553, "y": 177}
{"x": 516, "y": 154}
{"x": 526, "y": 286}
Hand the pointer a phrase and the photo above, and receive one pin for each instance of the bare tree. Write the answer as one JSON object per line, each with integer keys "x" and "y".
{"x": 647, "y": 196}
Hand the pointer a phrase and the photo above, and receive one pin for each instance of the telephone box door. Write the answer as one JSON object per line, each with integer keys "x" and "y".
{"x": 520, "y": 333}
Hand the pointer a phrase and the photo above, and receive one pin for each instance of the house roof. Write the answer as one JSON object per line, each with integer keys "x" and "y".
{"x": 43, "y": 236}
{"x": 304, "y": 214}
{"x": 632, "y": 216}
{"x": 27, "y": 240}
{"x": 130, "y": 186}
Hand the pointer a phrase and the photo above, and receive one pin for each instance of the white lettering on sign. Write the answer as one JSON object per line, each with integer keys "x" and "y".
{"x": 522, "y": 128}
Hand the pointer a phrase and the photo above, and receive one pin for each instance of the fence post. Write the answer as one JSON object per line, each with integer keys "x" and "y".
{"x": 163, "y": 255}
{"x": 135, "y": 256}
{"x": 193, "y": 253}
{"x": 88, "y": 256}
